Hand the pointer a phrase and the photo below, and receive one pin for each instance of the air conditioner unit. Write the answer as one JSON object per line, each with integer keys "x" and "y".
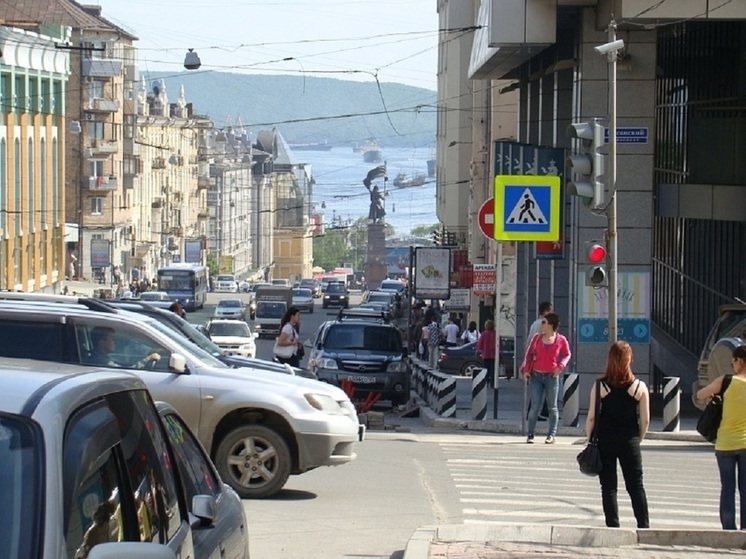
{"x": 90, "y": 116}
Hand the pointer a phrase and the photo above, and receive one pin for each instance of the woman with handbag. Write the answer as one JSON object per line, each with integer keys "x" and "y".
{"x": 730, "y": 445}
{"x": 287, "y": 344}
{"x": 620, "y": 426}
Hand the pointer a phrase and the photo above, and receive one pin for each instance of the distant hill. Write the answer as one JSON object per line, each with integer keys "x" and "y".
{"x": 296, "y": 105}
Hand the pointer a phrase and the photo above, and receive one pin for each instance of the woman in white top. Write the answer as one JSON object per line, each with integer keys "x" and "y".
{"x": 289, "y": 337}
{"x": 471, "y": 334}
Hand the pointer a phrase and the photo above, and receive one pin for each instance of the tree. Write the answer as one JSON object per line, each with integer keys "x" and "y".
{"x": 424, "y": 230}
{"x": 330, "y": 250}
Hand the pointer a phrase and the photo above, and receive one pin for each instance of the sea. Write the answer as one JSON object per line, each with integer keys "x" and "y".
{"x": 340, "y": 195}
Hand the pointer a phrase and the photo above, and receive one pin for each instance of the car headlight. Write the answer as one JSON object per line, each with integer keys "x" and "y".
{"x": 246, "y": 347}
{"x": 326, "y": 363}
{"x": 397, "y": 367}
{"x": 324, "y": 403}
{"x": 257, "y": 326}
{"x": 343, "y": 297}
{"x": 326, "y": 296}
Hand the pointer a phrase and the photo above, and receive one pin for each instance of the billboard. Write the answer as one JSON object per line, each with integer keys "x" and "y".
{"x": 100, "y": 253}
{"x": 432, "y": 273}
{"x": 193, "y": 251}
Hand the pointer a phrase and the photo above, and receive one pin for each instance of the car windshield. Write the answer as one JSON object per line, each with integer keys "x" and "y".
{"x": 226, "y": 278}
{"x": 268, "y": 309}
{"x": 392, "y": 285}
{"x": 154, "y": 296}
{"x": 370, "y": 337}
{"x": 302, "y": 293}
{"x": 236, "y": 329}
{"x": 305, "y": 282}
{"x": 231, "y": 303}
{"x": 379, "y": 298}
{"x": 335, "y": 288}
{"x": 20, "y": 482}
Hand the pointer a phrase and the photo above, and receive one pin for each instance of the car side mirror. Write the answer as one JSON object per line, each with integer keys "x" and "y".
{"x": 205, "y": 510}
{"x": 254, "y": 335}
{"x": 177, "y": 363}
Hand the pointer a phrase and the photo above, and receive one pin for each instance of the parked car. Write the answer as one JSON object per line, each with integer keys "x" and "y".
{"x": 227, "y": 533}
{"x": 463, "y": 359}
{"x": 155, "y": 296}
{"x": 230, "y": 308}
{"x": 303, "y": 299}
{"x": 364, "y": 349}
{"x": 336, "y": 295}
{"x": 226, "y": 283}
{"x": 233, "y": 336}
{"x": 85, "y": 465}
{"x": 394, "y": 285}
{"x": 291, "y": 424}
{"x": 384, "y": 300}
{"x": 313, "y": 284}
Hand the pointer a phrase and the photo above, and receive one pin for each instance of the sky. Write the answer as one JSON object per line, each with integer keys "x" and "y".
{"x": 346, "y": 39}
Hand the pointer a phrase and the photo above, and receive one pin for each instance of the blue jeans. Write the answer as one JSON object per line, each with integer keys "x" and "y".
{"x": 728, "y": 462}
{"x": 543, "y": 385}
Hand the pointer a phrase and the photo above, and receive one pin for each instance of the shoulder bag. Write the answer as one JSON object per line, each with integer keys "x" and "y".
{"x": 589, "y": 459}
{"x": 709, "y": 422}
{"x": 284, "y": 351}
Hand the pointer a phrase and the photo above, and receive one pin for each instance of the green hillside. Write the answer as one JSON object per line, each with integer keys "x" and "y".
{"x": 310, "y": 109}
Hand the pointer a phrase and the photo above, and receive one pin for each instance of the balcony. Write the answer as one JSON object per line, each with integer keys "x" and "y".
{"x": 104, "y": 147}
{"x": 103, "y": 105}
{"x": 159, "y": 163}
{"x": 203, "y": 213}
{"x": 101, "y": 67}
{"x": 130, "y": 181}
{"x": 100, "y": 184}
{"x": 157, "y": 203}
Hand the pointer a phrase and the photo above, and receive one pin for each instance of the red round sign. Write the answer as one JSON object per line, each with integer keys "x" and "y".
{"x": 487, "y": 218}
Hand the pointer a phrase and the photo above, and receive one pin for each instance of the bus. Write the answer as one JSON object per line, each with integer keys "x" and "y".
{"x": 188, "y": 283}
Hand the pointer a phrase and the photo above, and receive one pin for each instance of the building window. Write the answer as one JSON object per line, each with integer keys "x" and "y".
{"x": 31, "y": 186}
{"x": 44, "y": 99}
{"x": 96, "y": 89}
{"x": 33, "y": 95}
{"x": 31, "y": 260}
{"x": 96, "y": 168}
{"x": 55, "y": 182}
{"x": 17, "y": 216}
{"x": 19, "y": 96}
{"x": 43, "y": 252}
{"x": 96, "y": 130}
{"x": 3, "y": 185}
{"x": 97, "y": 205}
{"x": 17, "y": 265}
{"x": 43, "y": 184}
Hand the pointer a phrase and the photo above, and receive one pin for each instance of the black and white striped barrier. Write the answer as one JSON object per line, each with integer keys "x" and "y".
{"x": 479, "y": 394}
{"x": 671, "y": 403}
{"x": 446, "y": 396}
{"x": 435, "y": 388}
{"x": 571, "y": 399}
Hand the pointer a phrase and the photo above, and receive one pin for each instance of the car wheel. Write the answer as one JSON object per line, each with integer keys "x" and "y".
{"x": 470, "y": 367}
{"x": 254, "y": 460}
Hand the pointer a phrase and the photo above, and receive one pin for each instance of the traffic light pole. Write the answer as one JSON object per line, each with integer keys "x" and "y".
{"x": 611, "y": 177}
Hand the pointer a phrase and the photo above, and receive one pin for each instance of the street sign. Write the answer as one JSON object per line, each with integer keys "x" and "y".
{"x": 487, "y": 218}
{"x": 549, "y": 250}
{"x": 484, "y": 279}
{"x": 637, "y": 135}
{"x": 527, "y": 208}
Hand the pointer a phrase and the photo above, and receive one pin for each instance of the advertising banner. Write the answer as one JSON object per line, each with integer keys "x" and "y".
{"x": 484, "y": 279}
{"x": 432, "y": 277}
{"x": 193, "y": 251}
{"x": 460, "y": 300}
{"x": 100, "y": 253}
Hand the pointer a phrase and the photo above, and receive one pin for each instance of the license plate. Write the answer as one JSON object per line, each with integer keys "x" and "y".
{"x": 362, "y": 380}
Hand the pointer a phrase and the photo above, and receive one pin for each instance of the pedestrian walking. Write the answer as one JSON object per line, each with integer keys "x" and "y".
{"x": 288, "y": 338}
{"x": 730, "y": 445}
{"x": 486, "y": 349}
{"x": 433, "y": 339}
{"x": 450, "y": 331}
{"x": 546, "y": 357}
{"x": 471, "y": 334}
{"x": 545, "y": 307}
{"x": 621, "y": 425}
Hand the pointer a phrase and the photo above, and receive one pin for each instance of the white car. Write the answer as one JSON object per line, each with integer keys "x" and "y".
{"x": 234, "y": 337}
{"x": 230, "y": 308}
{"x": 154, "y": 296}
{"x": 303, "y": 299}
{"x": 226, "y": 283}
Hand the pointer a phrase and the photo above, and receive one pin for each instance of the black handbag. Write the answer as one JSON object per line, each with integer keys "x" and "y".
{"x": 589, "y": 459}
{"x": 709, "y": 422}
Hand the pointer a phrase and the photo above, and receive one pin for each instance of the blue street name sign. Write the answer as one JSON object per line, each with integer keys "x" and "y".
{"x": 637, "y": 135}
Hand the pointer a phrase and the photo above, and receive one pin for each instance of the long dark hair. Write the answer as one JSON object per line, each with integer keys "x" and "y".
{"x": 286, "y": 317}
{"x": 619, "y": 365}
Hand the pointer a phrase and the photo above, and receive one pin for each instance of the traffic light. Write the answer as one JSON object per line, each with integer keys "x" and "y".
{"x": 589, "y": 165}
{"x": 436, "y": 237}
{"x": 595, "y": 275}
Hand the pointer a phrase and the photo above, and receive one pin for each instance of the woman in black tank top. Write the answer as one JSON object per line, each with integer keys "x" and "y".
{"x": 621, "y": 425}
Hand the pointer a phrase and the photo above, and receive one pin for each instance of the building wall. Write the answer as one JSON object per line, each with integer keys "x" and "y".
{"x": 33, "y": 79}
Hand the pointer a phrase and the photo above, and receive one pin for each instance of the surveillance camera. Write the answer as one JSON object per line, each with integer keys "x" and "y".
{"x": 610, "y": 47}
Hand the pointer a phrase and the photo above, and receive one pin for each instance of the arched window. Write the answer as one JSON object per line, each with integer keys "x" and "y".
{"x": 17, "y": 216}
{"x": 3, "y": 185}
{"x": 43, "y": 183}
{"x": 31, "y": 209}
{"x": 55, "y": 183}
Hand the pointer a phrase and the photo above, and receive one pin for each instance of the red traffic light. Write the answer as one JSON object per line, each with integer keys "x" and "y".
{"x": 596, "y": 253}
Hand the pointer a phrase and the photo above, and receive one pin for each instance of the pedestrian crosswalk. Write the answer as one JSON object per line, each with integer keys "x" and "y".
{"x": 541, "y": 483}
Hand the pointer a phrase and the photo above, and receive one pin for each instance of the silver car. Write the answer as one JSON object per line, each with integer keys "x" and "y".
{"x": 230, "y": 308}
{"x": 303, "y": 299}
{"x": 84, "y": 467}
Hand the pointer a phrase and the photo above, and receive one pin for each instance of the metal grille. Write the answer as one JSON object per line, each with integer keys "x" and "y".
{"x": 700, "y": 117}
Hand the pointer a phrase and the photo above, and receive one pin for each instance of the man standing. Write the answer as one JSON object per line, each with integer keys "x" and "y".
{"x": 451, "y": 333}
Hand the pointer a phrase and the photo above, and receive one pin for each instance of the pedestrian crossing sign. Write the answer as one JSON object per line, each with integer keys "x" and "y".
{"x": 527, "y": 208}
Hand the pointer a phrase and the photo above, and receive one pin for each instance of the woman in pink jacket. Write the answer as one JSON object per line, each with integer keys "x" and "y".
{"x": 546, "y": 357}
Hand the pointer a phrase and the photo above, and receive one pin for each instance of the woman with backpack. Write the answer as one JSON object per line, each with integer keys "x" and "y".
{"x": 730, "y": 445}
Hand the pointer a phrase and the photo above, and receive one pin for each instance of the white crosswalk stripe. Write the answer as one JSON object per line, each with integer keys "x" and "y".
{"x": 539, "y": 483}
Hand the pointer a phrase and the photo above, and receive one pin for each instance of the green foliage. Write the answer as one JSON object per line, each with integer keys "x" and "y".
{"x": 424, "y": 230}
{"x": 288, "y": 102}
{"x": 330, "y": 250}
{"x": 212, "y": 263}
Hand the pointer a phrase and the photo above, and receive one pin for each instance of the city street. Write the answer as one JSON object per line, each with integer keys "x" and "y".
{"x": 400, "y": 481}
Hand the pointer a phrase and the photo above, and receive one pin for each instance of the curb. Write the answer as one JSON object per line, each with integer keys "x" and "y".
{"x": 432, "y": 419}
{"x": 418, "y": 545}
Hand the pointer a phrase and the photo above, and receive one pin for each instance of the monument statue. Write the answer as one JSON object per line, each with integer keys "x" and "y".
{"x": 376, "y": 211}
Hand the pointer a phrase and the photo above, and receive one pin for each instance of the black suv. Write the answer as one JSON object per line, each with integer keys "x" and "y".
{"x": 363, "y": 350}
{"x": 336, "y": 296}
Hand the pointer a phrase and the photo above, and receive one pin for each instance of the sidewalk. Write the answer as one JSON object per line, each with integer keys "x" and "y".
{"x": 528, "y": 541}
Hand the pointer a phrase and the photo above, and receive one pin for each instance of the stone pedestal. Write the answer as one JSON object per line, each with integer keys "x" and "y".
{"x": 375, "y": 262}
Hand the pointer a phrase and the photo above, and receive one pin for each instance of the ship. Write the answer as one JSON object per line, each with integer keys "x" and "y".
{"x": 402, "y": 180}
{"x": 311, "y": 146}
{"x": 371, "y": 151}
